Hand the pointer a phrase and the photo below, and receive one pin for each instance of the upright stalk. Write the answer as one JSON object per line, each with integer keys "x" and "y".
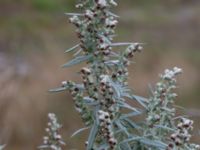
{"x": 101, "y": 97}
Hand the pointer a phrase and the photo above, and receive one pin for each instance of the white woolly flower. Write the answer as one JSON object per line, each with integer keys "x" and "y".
{"x": 170, "y": 74}
{"x": 177, "y": 70}
{"x": 103, "y": 46}
{"x": 110, "y": 22}
{"x": 89, "y": 14}
{"x": 135, "y": 47}
{"x": 64, "y": 83}
{"x": 74, "y": 19}
{"x": 113, "y": 2}
{"x": 104, "y": 78}
{"x": 53, "y": 139}
{"x": 102, "y": 114}
{"x": 102, "y": 3}
{"x": 79, "y": 5}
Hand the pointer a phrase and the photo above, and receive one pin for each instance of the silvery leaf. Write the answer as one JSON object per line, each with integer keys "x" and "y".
{"x": 60, "y": 89}
{"x": 74, "y": 14}
{"x": 79, "y": 131}
{"x": 73, "y": 48}
{"x": 77, "y": 60}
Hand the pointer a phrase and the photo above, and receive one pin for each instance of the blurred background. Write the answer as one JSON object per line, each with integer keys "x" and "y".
{"x": 34, "y": 35}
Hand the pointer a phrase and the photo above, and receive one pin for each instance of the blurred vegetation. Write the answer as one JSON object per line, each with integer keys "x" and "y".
{"x": 34, "y": 35}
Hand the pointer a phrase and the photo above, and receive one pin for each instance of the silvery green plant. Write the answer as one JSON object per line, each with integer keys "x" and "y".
{"x": 2, "y": 147}
{"x": 53, "y": 139}
{"x": 101, "y": 98}
{"x": 162, "y": 124}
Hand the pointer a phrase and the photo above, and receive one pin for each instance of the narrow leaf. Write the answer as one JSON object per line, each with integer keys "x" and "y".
{"x": 79, "y": 131}
{"x": 104, "y": 146}
{"x": 74, "y": 14}
{"x": 130, "y": 114}
{"x": 92, "y": 136}
{"x": 121, "y": 44}
{"x": 118, "y": 123}
{"x": 112, "y": 14}
{"x": 140, "y": 100}
{"x": 41, "y": 147}
{"x": 73, "y": 48}
{"x": 132, "y": 124}
{"x": 77, "y": 60}
{"x": 60, "y": 89}
{"x": 90, "y": 101}
{"x": 112, "y": 62}
{"x": 94, "y": 129}
{"x": 164, "y": 127}
{"x": 78, "y": 52}
{"x": 125, "y": 105}
{"x": 125, "y": 44}
{"x": 158, "y": 144}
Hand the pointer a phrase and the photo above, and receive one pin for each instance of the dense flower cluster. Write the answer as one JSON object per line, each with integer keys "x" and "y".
{"x": 122, "y": 69}
{"x": 78, "y": 97}
{"x": 94, "y": 25}
{"x": 106, "y": 128}
{"x": 181, "y": 137}
{"x": 170, "y": 74}
{"x": 160, "y": 108}
{"x": 107, "y": 102}
{"x": 88, "y": 81}
{"x": 53, "y": 140}
{"x": 161, "y": 118}
{"x": 95, "y": 29}
{"x": 101, "y": 98}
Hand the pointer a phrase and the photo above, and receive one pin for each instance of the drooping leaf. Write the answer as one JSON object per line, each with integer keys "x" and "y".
{"x": 77, "y": 60}
{"x": 79, "y": 131}
{"x": 141, "y": 100}
{"x": 127, "y": 106}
